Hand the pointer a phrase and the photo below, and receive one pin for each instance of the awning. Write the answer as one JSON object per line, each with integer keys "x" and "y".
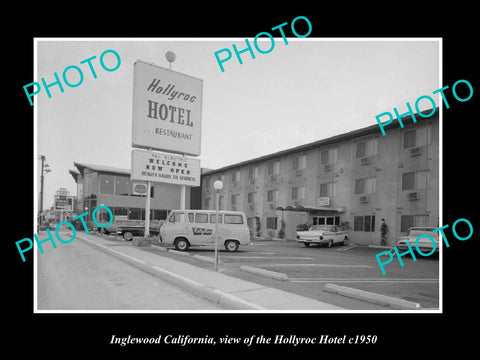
{"x": 338, "y": 209}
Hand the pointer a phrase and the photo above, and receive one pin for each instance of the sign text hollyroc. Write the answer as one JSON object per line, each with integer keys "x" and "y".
{"x": 167, "y": 110}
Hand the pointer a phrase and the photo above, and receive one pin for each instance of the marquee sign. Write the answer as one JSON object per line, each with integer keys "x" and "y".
{"x": 167, "y": 168}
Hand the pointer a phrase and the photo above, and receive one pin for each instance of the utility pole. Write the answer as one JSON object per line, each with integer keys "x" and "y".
{"x": 45, "y": 169}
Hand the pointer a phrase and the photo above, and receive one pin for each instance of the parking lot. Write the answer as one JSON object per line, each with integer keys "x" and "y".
{"x": 307, "y": 270}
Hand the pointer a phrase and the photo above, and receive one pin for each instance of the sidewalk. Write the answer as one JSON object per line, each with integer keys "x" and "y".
{"x": 230, "y": 292}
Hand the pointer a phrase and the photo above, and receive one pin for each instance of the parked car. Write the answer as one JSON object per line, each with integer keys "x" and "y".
{"x": 129, "y": 231}
{"x": 322, "y": 235}
{"x": 424, "y": 244}
{"x": 113, "y": 227}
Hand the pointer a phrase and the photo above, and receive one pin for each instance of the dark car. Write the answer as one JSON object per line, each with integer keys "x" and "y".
{"x": 128, "y": 232}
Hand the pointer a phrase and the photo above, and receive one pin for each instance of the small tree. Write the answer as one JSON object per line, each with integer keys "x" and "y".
{"x": 345, "y": 225}
{"x": 258, "y": 225}
{"x": 281, "y": 232}
{"x": 383, "y": 233}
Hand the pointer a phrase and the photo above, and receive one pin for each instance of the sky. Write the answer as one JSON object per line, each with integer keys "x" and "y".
{"x": 300, "y": 92}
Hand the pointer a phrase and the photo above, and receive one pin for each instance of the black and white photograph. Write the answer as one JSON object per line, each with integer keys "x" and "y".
{"x": 313, "y": 197}
{"x": 223, "y": 191}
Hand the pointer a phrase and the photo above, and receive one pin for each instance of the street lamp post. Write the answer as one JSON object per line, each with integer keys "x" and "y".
{"x": 217, "y": 185}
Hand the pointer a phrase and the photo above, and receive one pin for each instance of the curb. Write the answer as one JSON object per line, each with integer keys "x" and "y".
{"x": 266, "y": 273}
{"x": 160, "y": 248}
{"x": 207, "y": 259}
{"x": 214, "y": 295}
{"x": 380, "y": 247}
{"x": 393, "y": 302}
{"x": 181, "y": 253}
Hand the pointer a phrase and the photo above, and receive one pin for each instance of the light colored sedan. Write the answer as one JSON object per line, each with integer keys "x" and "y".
{"x": 322, "y": 235}
{"x": 425, "y": 244}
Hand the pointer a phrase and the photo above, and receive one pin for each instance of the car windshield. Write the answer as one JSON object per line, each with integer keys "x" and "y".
{"x": 323, "y": 227}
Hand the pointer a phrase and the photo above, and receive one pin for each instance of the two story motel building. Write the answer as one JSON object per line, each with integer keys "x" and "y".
{"x": 358, "y": 180}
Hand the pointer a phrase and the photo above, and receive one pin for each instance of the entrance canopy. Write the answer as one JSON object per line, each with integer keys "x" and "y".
{"x": 335, "y": 209}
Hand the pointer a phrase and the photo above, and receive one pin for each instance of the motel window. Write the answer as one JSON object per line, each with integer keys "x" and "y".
{"x": 417, "y": 180}
{"x": 273, "y": 168}
{"x": 272, "y": 195}
{"x": 326, "y": 220}
{"x": 417, "y": 137}
{"x": 252, "y": 197}
{"x": 107, "y": 184}
{"x": 361, "y": 150}
{"x": 366, "y": 148}
{"x": 159, "y": 214}
{"x": 328, "y": 156}
{"x": 122, "y": 185}
{"x": 253, "y": 172}
{"x": 409, "y": 139}
{"x": 365, "y": 186}
{"x": 298, "y": 193}
{"x": 408, "y": 221}
{"x": 364, "y": 223}
{"x": 272, "y": 223}
{"x": 207, "y": 182}
{"x": 327, "y": 189}
{"x": 234, "y": 199}
{"x": 120, "y": 211}
{"x": 299, "y": 162}
{"x": 221, "y": 202}
{"x": 236, "y": 176}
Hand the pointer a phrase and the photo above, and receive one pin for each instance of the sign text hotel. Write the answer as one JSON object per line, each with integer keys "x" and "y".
{"x": 167, "y": 110}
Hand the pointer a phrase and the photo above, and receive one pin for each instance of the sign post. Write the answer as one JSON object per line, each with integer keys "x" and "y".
{"x": 147, "y": 210}
{"x": 166, "y": 117}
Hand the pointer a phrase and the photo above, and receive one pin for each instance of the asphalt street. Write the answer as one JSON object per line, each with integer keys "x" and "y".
{"x": 75, "y": 276}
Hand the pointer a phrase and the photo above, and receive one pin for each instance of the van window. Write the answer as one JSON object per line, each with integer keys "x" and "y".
{"x": 201, "y": 218}
{"x": 190, "y": 217}
{"x": 213, "y": 217}
{"x": 177, "y": 218}
{"x": 233, "y": 219}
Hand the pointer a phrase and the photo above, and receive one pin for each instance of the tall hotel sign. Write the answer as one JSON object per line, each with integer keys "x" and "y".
{"x": 167, "y": 110}
{"x": 167, "y": 116}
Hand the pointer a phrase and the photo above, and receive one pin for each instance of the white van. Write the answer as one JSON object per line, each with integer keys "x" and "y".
{"x": 185, "y": 228}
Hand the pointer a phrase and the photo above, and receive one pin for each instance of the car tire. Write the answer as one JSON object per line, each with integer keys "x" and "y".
{"x": 306, "y": 244}
{"x": 345, "y": 240}
{"x": 127, "y": 235}
{"x": 231, "y": 245}
{"x": 181, "y": 244}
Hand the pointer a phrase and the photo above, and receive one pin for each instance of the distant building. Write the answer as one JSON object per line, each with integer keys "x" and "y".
{"x": 63, "y": 204}
{"x": 354, "y": 179}
{"x": 103, "y": 185}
